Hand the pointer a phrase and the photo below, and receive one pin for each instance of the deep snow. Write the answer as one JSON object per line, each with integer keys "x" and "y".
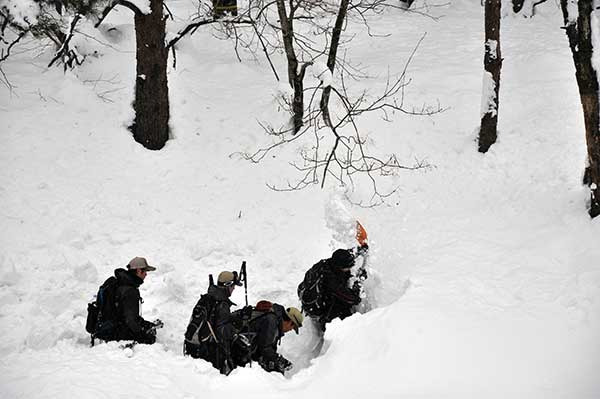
{"x": 485, "y": 279}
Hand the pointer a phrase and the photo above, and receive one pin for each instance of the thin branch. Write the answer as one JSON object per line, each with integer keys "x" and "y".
{"x": 115, "y": 3}
{"x": 5, "y": 55}
{"x": 64, "y": 50}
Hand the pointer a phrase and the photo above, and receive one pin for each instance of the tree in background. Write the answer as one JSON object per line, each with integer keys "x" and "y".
{"x": 58, "y": 19}
{"x": 492, "y": 61}
{"x": 310, "y": 35}
{"x": 151, "y": 103}
{"x": 578, "y": 19}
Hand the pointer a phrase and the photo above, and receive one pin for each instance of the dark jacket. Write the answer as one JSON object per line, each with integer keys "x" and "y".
{"x": 338, "y": 298}
{"x": 221, "y": 322}
{"x": 266, "y": 327}
{"x": 218, "y": 351}
{"x": 130, "y": 325}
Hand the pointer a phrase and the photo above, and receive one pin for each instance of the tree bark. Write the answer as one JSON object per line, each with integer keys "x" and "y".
{"x": 151, "y": 104}
{"x": 492, "y": 64}
{"x": 295, "y": 78}
{"x": 333, "y": 48}
{"x": 579, "y": 33}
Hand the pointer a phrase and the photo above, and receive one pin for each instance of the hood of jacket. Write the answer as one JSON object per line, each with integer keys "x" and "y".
{"x": 126, "y": 278}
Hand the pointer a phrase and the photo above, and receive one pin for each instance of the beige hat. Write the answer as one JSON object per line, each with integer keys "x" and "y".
{"x": 295, "y": 316}
{"x": 140, "y": 263}
{"x": 228, "y": 278}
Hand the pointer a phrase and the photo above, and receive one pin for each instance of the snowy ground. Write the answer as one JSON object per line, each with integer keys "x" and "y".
{"x": 485, "y": 282}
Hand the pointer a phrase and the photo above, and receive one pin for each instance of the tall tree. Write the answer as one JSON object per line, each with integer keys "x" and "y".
{"x": 151, "y": 126}
{"x": 492, "y": 61}
{"x": 580, "y": 30}
{"x": 151, "y": 104}
{"x": 295, "y": 76}
{"x": 58, "y": 19}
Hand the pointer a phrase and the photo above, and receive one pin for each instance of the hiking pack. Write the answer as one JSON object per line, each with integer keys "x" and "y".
{"x": 201, "y": 326}
{"x": 241, "y": 346}
{"x": 311, "y": 288}
{"x": 102, "y": 313}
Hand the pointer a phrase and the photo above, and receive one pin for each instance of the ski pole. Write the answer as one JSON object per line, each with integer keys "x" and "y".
{"x": 245, "y": 274}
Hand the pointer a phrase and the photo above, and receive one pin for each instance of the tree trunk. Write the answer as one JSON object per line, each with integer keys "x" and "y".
{"x": 295, "y": 78}
{"x": 579, "y": 33}
{"x": 336, "y": 35}
{"x": 491, "y": 82}
{"x": 151, "y": 104}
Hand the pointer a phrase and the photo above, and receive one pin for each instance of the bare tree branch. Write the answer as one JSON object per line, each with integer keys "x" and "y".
{"x": 65, "y": 53}
{"x": 5, "y": 54}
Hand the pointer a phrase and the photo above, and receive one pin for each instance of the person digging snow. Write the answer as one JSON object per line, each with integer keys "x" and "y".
{"x": 325, "y": 293}
{"x": 264, "y": 325}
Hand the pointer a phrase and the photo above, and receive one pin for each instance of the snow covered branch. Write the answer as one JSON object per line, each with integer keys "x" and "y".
{"x": 65, "y": 53}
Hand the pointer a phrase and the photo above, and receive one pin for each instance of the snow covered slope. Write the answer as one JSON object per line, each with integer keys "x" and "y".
{"x": 485, "y": 280}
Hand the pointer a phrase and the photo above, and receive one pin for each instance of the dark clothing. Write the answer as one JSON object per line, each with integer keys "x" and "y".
{"x": 267, "y": 327}
{"x": 217, "y": 349}
{"x": 129, "y": 324}
{"x": 337, "y": 297}
{"x": 264, "y": 330}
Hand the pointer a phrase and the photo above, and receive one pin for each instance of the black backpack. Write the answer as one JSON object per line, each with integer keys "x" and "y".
{"x": 310, "y": 290}
{"x": 103, "y": 312}
{"x": 201, "y": 326}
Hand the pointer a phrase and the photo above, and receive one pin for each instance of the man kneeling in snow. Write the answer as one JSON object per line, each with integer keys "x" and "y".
{"x": 118, "y": 307}
{"x": 209, "y": 333}
{"x": 259, "y": 331}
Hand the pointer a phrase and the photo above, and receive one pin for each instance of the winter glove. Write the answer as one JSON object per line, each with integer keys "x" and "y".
{"x": 362, "y": 250}
{"x": 147, "y": 326}
{"x": 283, "y": 364}
{"x": 279, "y": 364}
{"x": 158, "y": 324}
{"x": 361, "y": 274}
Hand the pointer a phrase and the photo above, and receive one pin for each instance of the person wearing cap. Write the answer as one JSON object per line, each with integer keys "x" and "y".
{"x": 267, "y": 329}
{"x": 339, "y": 299}
{"x": 129, "y": 324}
{"x": 217, "y": 349}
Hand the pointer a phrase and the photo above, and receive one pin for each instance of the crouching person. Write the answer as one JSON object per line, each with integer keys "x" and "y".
{"x": 325, "y": 292}
{"x": 264, "y": 327}
{"x": 115, "y": 315}
{"x": 209, "y": 333}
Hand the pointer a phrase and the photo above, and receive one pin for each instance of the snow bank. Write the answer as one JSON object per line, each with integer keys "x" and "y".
{"x": 482, "y": 273}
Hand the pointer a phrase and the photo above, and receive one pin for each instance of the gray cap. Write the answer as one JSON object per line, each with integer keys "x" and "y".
{"x": 140, "y": 263}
